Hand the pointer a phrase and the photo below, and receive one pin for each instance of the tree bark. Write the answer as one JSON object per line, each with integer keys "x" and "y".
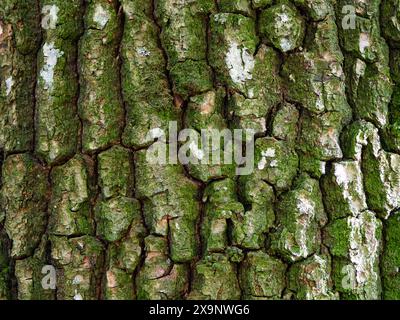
{"x": 87, "y": 85}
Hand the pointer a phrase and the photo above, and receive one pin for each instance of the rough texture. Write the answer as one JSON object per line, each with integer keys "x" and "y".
{"x": 90, "y": 88}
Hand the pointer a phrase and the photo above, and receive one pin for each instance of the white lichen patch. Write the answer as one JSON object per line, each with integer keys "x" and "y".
{"x": 9, "y": 85}
{"x": 142, "y": 51}
{"x": 360, "y": 67}
{"x": 387, "y": 164}
{"x": 156, "y": 133}
{"x": 78, "y": 279}
{"x": 269, "y": 153}
{"x": 363, "y": 138}
{"x": 364, "y": 250}
{"x": 318, "y": 88}
{"x": 81, "y": 190}
{"x": 285, "y": 44}
{"x": 81, "y": 245}
{"x": 320, "y": 104}
{"x": 51, "y": 55}
{"x": 342, "y": 175}
{"x": 273, "y": 163}
{"x": 220, "y": 18}
{"x": 281, "y": 18}
{"x": 250, "y": 93}
{"x": 329, "y": 141}
{"x": 322, "y": 167}
{"x": 262, "y": 163}
{"x": 381, "y": 117}
{"x": 336, "y": 69}
{"x": 50, "y": 16}
{"x": 318, "y": 279}
{"x": 182, "y": 3}
{"x": 101, "y": 16}
{"x": 364, "y": 42}
{"x": 77, "y": 296}
{"x": 389, "y": 167}
{"x": 301, "y": 242}
{"x": 348, "y": 176}
{"x": 321, "y": 283}
{"x": 1, "y": 30}
{"x": 305, "y": 205}
{"x": 240, "y": 63}
{"x": 218, "y": 226}
{"x": 305, "y": 217}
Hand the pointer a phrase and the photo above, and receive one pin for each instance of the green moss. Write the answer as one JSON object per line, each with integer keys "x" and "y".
{"x": 300, "y": 216}
{"x": 232, "y": 36}
{"x": 126, "y": 254}
{"x": 319, "y": 136}
{"x": 235, "y": 6}
{"x": 205, "y": 113}
{"x": 284, "y": 125}
{"x": 114, "y": 217}
{"x": 337, "y": 238}
{"x": 118, "y": 285}
{"x": 70, "y": 199}
{"x": 215, "y": 279}
{"x": 276, "y": 162}
{"x": 375, "y": 88}
{"x": 100, "y": 105}
{"x": 20, "y": 40}
{"x": 24, "y": 195}
{"x": 262, "y": 276}
{"x": 394, "y": 64}
{"x": 250, "y": 226}
{"x": 82, "y": 101}
{"x": 381, "y": 183}
{"x": 191, "y": 77}
{"x": 160, "y": 278}
{"x": 366, "y": 31}
{"x": 282, "y": 26}
{"x": 79, "y": 263}
{"x": 391, "y": 132}
{"x": 316, "y": 9}
{"x": 115, "y": 172}
{"x": 5, "y": 283}
{"x": 311, "y": 280}
{"x": 29, "y": 276}
{"x": 356, "y": 244}
{"x": 183, "y": 31}
{"x": 344, "y": 190}
{"x": 145, "y": 87}
{"x": 261, "y": 3}
{"x": 56, "y": 117}
{"x": 170, "y": 205}
{"x": 220, "y": 205}
{"x": 391, "y": 259}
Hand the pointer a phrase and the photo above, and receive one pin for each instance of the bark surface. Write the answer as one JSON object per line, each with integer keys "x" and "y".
{"x": 86, "y": 86}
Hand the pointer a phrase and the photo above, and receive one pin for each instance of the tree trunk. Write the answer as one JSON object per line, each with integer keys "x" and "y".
{"x": 87, "y": 86}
